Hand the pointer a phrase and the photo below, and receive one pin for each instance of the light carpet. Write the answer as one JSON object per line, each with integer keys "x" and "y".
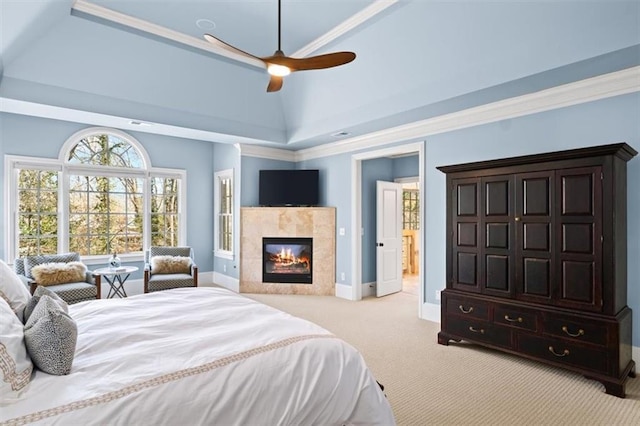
{"x": 460, "y": 384}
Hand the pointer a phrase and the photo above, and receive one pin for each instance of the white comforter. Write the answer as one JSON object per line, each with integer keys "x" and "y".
{"x": 203, "y": 356}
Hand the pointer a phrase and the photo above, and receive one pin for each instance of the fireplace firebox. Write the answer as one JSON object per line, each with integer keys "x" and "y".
{"x": 287, "y": 260}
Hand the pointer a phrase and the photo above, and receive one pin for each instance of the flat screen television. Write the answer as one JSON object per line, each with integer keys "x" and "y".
{"x": 278, "y": 188}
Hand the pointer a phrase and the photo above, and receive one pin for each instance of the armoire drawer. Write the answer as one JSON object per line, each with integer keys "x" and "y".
{"x": 573, "y": 328}
{"x": 480, "y": 331}
{"x": 469, "y": 308}
{"x": 514, "y": 317}
{"x": 564, "y": 352}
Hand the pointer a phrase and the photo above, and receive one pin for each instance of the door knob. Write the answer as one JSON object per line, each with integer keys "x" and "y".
{"x": 379, "y": 244}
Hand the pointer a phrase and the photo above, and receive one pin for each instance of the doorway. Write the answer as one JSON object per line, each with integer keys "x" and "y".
{"x": 358, "y": 233}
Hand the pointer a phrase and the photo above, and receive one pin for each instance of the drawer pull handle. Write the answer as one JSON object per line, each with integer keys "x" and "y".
{"x": 564, "y": 353}
{"x": 578, "y": 334}
{"x": 475, "y": 330}
{"x": 508, "y": 318}
{"x": 468, "y": 311}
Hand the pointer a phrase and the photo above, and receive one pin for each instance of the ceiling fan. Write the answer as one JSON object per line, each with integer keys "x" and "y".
{"x": 278, "y": 65}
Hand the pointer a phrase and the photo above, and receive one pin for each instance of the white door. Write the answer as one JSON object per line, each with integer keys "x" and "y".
{"x": 388, "y": 238}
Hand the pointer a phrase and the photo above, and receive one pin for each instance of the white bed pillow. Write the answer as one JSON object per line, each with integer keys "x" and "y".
{"x": 13, "y": 290}
{"x": 43, "y": 291}
{"x": 50, "y": 335}
{"x": 14, "y": 359}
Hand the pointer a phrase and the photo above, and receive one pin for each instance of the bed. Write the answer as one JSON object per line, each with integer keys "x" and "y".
{"x": 201, "y": 356}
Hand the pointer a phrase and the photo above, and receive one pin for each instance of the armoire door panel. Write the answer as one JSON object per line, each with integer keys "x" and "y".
{"x": 578, "y": 282}
{"x": 577, "y": 238}
{"x": 536, "y": 196}
{"x": 467, "y": 199}
{"x": 497, "y": 198}
{"x": 497, "y": 272}
{"x": 577, "y": 194}
{"x": 536, "y": 277}
{"x": 467, "y": 269}
{"x": 536, "y": 236}
{"x": 497, "y": 235}
{"x": 467, "y": 234}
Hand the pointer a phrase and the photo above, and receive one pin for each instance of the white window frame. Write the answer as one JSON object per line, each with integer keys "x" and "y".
{"x": 12, "y": 163}
{"x": 218, "y": 177}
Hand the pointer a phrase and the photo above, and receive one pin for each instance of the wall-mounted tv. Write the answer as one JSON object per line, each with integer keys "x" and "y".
{"x": 293, "y": 188}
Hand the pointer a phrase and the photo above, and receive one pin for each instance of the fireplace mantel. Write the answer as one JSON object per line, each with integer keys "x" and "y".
{"x": 318, "y": 223}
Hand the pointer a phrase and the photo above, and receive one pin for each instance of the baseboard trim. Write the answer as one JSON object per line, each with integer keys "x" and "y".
{"x": 430, "y": 312}
{"x": 225, "y": 281}
{"x": 368, "y": 289}
{"x": 344, "y": 291}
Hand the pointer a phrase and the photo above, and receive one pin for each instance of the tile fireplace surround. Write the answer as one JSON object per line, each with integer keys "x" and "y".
{"x": 318, "y": 223}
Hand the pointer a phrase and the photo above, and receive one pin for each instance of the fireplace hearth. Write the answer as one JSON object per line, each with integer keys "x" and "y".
{"x": 287, "y": 260}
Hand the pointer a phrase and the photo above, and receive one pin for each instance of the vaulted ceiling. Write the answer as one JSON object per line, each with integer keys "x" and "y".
{"x": 124, "y": 62}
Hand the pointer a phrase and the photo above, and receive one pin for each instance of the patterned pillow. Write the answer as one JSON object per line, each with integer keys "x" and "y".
{"x": 59, "y": 273}
{"x": 51, "y": 335}
{"x": 37, "y": 295}
{"x": 170, "y": 265}
{"x": 16, "y": 366}
{"x": 33, "y": 261}
{"x": 13, "y": 290}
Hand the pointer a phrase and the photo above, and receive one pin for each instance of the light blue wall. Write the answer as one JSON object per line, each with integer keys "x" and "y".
{"x": 406, "y": 167}
{"x": 39, "y": 137}
{"x": 226, "y": 157}
{"x": 597, "y": 123}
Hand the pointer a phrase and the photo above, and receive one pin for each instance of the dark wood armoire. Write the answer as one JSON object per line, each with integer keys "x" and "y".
{"x": 537, "y": 263}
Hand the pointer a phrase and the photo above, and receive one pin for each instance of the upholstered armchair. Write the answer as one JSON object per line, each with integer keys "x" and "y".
{"x": 169, "y": 267}
{"x": 63, "y": 274}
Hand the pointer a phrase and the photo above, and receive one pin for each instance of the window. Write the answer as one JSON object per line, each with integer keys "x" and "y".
{"x": 98, "y": 198}
{"x": 37, "y": 212}
{"x": 223, "y": 196}
{"x": 410, "y": 209}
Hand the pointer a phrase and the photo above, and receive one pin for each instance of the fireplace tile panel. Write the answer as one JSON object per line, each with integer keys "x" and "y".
{"x": 318, "y": 223}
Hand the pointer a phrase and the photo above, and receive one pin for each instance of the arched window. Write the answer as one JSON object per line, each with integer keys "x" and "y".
{"x": 100, "y": 197}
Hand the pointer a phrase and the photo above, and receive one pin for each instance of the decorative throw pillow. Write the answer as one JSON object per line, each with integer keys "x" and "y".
{"x": 13, "y": 290}
{"x": 59, "y": 273}
{"x": 30, "y": 262}
{"x": 51, "y": 335}
{"x": 16, "y": 366}
{"x": 37, "y": 295}
{"x": 170, "y": 265}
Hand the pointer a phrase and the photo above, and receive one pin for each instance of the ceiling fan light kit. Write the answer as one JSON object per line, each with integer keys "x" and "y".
{"x": 278, "y": 65}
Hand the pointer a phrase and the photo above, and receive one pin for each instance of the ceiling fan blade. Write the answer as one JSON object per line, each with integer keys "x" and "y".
{"x": 313, "y": 62}
{"x": 275, "y": 84}
{"x": 229, "y": 48}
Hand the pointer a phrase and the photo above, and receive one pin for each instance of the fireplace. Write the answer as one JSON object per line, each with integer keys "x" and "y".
{"x": 287, "y": 260}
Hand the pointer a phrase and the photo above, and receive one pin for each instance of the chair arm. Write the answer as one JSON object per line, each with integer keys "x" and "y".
{"x": 194, "y": 274}
{"x": 97, "y": 281}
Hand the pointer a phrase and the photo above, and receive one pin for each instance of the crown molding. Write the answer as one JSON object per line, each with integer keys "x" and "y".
{"x": 83, "y": 6}
{"x": 583, "y": 91}
{"x": 268, "y": 153}
{"x": 344, "y": 27}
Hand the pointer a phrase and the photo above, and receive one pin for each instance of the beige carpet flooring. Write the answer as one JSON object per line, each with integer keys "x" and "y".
{"x": 459, "y": 384}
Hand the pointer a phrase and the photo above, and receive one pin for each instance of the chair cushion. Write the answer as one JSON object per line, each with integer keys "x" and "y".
{"x": 168, "y": 281}
{"x": 16, "y": 369}
{"x": 50, "y": 335}
{"x": 170, "y": 265}
{"x": 31, "y": 261}
{"x": 75, "y": 292}
{"x": 59, "y": 273}
{"x": 13, "y": 290}
{"x": 37, "y": 295}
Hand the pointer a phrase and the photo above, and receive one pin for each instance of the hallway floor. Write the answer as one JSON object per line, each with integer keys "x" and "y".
{"x": 410, "y": 284}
